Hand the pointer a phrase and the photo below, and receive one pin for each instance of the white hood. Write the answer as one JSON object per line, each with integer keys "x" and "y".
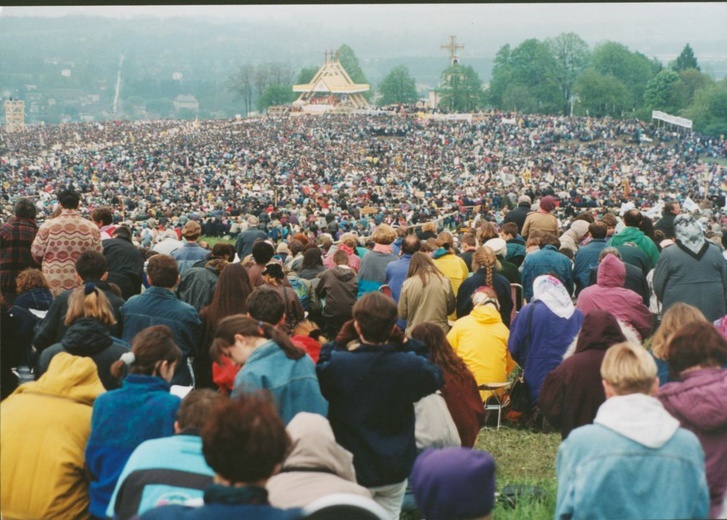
{"x": 638, "y": 417}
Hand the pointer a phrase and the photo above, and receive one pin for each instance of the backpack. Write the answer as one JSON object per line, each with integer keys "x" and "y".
{"x": 301, "y": 291}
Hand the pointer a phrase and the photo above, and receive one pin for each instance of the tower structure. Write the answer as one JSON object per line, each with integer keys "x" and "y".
{"x": 452, "y": 48}
{"x": 332, "y": 86}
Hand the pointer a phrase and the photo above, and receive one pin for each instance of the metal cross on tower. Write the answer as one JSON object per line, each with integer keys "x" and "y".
{"x": 452, "y": 47}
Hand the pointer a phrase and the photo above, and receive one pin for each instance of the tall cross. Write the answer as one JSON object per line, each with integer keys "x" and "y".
{"x": 452, "y": 47}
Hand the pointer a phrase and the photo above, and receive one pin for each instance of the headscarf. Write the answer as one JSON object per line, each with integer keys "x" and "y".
{"x": 549, "y": 290}
{"x": 689, "y": 234}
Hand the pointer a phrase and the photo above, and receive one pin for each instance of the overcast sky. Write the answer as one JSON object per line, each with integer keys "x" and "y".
{"x": 641, "y": 26}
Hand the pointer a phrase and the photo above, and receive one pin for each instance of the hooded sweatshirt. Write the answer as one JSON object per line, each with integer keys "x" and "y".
{"x": 609, "y": 294}
{"x": 44, "y": 477}
{"x": 699, "y": 403}
{"x": 612, "y": 468}
{"x": 338, "y": 286}
{"x": 88, "y": 338}
{"x": 571, "y": 394}
{"x": 317, "y": 466}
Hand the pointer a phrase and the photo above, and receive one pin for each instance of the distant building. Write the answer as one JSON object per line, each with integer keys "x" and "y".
{"x": 186, "y": 101}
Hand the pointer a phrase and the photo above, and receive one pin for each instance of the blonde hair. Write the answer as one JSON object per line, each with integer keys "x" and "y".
{"x": 445, "y": 240}
{"x": 88, "y": 301}
{"x": 384, "y": 234}
{"x": 349, "y": 239}
{"x": 674, "y": 319}
{"x": 629, "y": 369}
{"x": 485, "y": 257}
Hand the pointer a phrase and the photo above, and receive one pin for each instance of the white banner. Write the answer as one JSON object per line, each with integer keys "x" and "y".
{"x": 674, "y": 120}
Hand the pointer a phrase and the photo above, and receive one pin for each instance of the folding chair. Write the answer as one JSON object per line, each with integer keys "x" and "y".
{"x": 499, "y": 401}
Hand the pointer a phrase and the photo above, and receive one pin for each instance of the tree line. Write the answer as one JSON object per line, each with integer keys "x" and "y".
{"x": 556, "y": 76}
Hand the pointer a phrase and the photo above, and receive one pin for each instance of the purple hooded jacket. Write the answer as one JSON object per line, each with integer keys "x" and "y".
{"x": 699, "y": 402}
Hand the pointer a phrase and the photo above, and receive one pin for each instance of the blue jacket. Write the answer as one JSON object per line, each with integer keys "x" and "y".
{"x": 549, "y": 336}
{"x": 547, "y": 260}
{"x": 159, "y": 306}
{"x": 605, "y": 475}
{"x": 586, "y": 258}
{"x": 223, "y": 503}
{"x": 122, "y": 419}
{"x": 371, "y": 391}
{"x": 396, "y": 272}
{"x": 188, "y": 255}
{"x": 292, "y": 382}
{"x": 160, "y": 471}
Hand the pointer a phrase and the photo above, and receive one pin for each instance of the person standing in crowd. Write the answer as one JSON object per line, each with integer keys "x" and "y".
{"x": 666, "y": 222}
{"x": 469, "y": 245}
{"x": 518, "y": 215}
{"x": 91, "y": 267}
{"x": 338, "y": 286}
{"x": 61, "y": 240}
{"x": 191, "y": 252}
{"x": 104, "y": 220}
{"x": 692, "y": 271}
{"x": 542, "y": 331}
{"x": 311, "y": 266}
{"x": 247, "y": 238}
{"x": 371, "y": 392}
{"x": 542, "y": 220}
{"x": 348, "y": 244}
{"x": 159, "y": 306}
{"x": 244, "y": 442}
{"x": 43, "y": 478}
{"x": 572, "y": 392}
{"x": 125, "y": 262}
{"x": 372, "y": 273}
{"x": 262, "y": 254}
{"x": 16, "y": 239}
{"x": 140, "y": 410}
{"x": 633, "y": 448}
{"x": 275, "y": 279}
{"x": 197, "y": 285}
{"x": 426, "y": 295}
{"x": 698, "y": 398}
{"x": 505, "y": 268}
{"x": 632, "y": 233}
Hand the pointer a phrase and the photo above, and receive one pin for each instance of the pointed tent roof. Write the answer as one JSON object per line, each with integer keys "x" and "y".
{"x": 332, "y": 78}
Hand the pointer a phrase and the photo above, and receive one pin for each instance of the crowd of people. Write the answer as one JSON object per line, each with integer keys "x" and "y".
{"x": 384, "y": 280}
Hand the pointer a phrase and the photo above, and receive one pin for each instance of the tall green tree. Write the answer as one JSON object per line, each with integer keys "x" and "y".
{"x": 461, "y": 89}
{"x": 709, "y": 109}
{"x": 241, "y": 83}
{"x": 665, "y": 92}
{"x": 274, "y": 95}
{"x": 570, "y": 57}
{"x": 632, "y": 69}
{"x": 686, "y": 60}
{"x": 600, "y": 95}
{"x": 398, "y": 87}
{"x": 349, "y": 61}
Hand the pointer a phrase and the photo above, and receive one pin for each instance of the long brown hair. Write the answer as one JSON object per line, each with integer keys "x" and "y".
{"x": 150, "y": 346}
{"x": 441, "y": 352}
{"x": 230, "y": 296}
{"x": 423, "y": 266}
{"x": 246, "y": 326}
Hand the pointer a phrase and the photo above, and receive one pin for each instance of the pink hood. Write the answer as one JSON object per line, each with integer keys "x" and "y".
{"x": 611, "y": 272}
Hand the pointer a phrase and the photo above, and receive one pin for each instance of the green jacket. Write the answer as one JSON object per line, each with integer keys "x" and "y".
{"x": 635, "y": 235}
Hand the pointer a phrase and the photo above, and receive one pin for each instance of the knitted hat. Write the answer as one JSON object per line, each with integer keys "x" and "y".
{"x": 283, "y": 248}
{"x": 498, "y": 245}
{"x": 454, "y": 483}
{"x": 547, "y": 203}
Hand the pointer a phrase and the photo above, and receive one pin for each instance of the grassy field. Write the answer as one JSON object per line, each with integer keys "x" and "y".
{"x": 523, "y": 458}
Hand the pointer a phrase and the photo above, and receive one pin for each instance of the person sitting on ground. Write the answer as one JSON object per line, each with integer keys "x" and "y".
{"x": 509, "y": 232}
{"x": 29, "y": 306}
{"x": 372, "y": 378}
{"x": 191, "y": 252}
{"x": 91, "y": 267}
{"x": 505, "y": 268}
{"x": 262, "y": 253}
{"x": 125, "y": 262}
{"x": 469, "y": 245}
{"x": 170, "y": 469}
{"x": 635, "y": 279}
{"x": 426, "y": 295}
{"x": 548, "y": 260}
{"x": 572, "y": 392}
{"x": 347, "y": 244}
{"x": 633, "y": 447}
{"x": 454, "y": 483}
{"x": 88, "y": 319}
{"x": 197, "y": 285}
{"x": 450, "y": 265}
{"x": 586, "y": 258}
{"x": 698, "y": 397}
{"x": 543, "y": 219}
{"x": 269, "y": 361}
{"x": 372, "y": 273}
{"x": 316, "y": 466}
{"x": 275, "y": 279}
{"x": 244, "y": 442}
{"x": 485, "y": 275}
{"x": 311, "y": 265}
{"x": 42, "y": 479}
{"x": 338, "y": 286}
{"x": 631, "y": 233}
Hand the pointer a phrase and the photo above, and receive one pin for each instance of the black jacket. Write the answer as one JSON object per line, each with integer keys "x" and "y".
{"x": 126, "y": 265}
{"x": 518, "y": 216}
